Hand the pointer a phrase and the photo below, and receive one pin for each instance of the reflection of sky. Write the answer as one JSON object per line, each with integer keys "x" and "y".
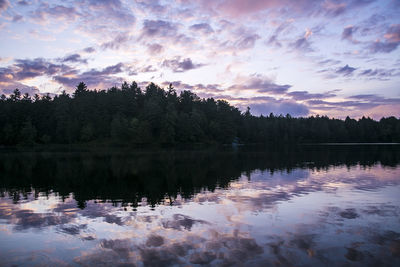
{"x": 335, "y": 216}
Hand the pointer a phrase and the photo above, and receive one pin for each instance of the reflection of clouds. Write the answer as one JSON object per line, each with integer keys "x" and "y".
{"x": 179, "y": 222}
{"x": 72, "y": 229}
{"x": 219, "y": 248}
{"x": 92, "y": 210}
{"x": 268, "y": 189}
{"x": 23, "y": 219}
{"x": 236, "y": 225}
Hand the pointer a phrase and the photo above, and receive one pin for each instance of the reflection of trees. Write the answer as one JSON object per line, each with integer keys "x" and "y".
{"x": 128, "y": 177}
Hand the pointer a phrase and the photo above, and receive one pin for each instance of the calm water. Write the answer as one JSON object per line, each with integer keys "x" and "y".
{"x": 302, "y": 206}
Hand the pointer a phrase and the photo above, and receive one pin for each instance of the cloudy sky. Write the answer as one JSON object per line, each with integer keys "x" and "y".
{"x": 304, "y": 57}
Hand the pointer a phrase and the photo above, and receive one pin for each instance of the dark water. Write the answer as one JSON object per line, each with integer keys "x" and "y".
{"x": 290, "y": 206}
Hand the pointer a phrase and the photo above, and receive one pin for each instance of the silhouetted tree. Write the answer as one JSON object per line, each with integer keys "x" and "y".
{"x": 130, "y": 115}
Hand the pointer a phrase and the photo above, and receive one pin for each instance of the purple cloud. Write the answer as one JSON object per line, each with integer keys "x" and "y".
{"x": 74, "y": 58}
{"x": 347, "y": 34}
{"x": 261, "y": 85}
{"x": 392, "y": 41}
{"x": 346, "y": 70}
{"x": 178, "y": 65}
{"x": 148, "y": 68}
{"x": 302, "y": 44}
{"x": 116, "y": 43}
{"x": 27, "y": 68}
{"x": 93, "y": 77}
{"x": 17, "y": 18}
{"x": 56, "y": 11}
{"x": 23, "y": 3}
{"x": 381, "y": 74}
{"x": 203, "y": 28}
{"x": 153, "y": 6}
{"x": 376, "y": 99}
{"x": 158, "y": 28}
{"x": 113, "y": 9}
{"x": 89, "y": 50}
{"x": 273, "y": 39}
{"x": 155, "y": 48}
{"x": 304, "y": 95}
{"x": 104, "y": 19}
{"x": 329, "y": 62}
{"x": 247, "y": 42}
{"x": 236, "y": 8}
{"x": 4, "y": 4}
{"x": 322, "y": 104}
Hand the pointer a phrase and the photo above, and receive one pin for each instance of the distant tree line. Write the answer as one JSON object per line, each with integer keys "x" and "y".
{"x": 157, "y": 116}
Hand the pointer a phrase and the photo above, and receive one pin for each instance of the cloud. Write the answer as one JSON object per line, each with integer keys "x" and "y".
{"x": 304, "y": 95}
{"x": 117, "y": 42}
{"x": 260, "y": 84}
{"x": 336, "y": 8}
{"x": 17, "y": 18}
{"x": 381, "y": 74}
{"x": 383, "y": 47}
{"x": 155, "y": 48}
{"x": 23, "y": 3}
{"x": 89, "y": 50}
{"x": 347, "y": 34}
{"x": 59, "y": 12}
{"x": 302, "y": 44}
{"x": 329, "y": 62}
{"x": 239, "y": 39}
{"x": 321, "y": 104}
{"x": 392, "y": 41}
{"x": 153, "y": 6}
{"x": 345, "y": 70}
{"x": 301, "y": 8}
{"x": 247, "y": 42}
{"x": 203, "y": 28}
{"x": 273, "y": 39}
{"x": 159, "y": 28}
{"x": 74, "y": 58}
{"x": 30, "y": 68}
{"x": 148, "y": 68}
{"x": 93, "y": 77}
{"x": 4, "y": 4}
{"x": 393, "y": 34}
{"x": 376, "y": 99}
{"x": 106, "y": 18}
{"x": 113, "y": 11}
{"x": 178, "y": 65}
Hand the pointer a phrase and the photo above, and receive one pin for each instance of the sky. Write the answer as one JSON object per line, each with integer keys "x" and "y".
{"x": 329, "y": 57}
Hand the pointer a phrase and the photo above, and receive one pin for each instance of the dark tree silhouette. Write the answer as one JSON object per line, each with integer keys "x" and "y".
{"x": 129, "y": 115}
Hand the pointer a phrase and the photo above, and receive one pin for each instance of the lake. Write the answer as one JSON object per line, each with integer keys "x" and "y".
{"x": 253, "y": 206}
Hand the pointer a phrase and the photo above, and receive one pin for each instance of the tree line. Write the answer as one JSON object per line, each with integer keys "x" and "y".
{"x": 130, "y": 115}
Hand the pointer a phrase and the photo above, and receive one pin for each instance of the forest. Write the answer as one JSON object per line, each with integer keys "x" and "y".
{"x": 130, "y": 115}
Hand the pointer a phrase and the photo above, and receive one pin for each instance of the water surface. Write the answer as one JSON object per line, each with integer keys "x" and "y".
{"x": 292, "y": 206}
